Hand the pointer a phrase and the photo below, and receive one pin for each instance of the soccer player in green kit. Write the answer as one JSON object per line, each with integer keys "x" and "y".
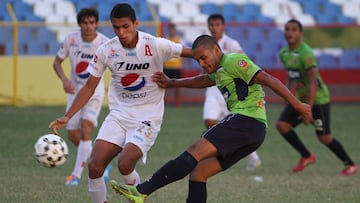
{"x": 305, "y": 81}
{"x": 233, "y": 138}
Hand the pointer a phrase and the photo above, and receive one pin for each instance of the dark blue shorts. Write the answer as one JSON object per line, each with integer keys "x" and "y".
{"x": 321, "y": 117}
{"x": 235, "y": 137}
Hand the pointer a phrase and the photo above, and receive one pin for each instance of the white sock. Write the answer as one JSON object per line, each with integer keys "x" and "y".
{"x": 132, "y": 179}
{"x": 254, "y": 156}
{"x": 83, "y": 154}
{"x": 97, "y": 190}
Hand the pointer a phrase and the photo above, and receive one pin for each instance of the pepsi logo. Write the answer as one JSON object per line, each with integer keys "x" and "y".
{"x": 80, "y": 70}
{"x": 133, "y": 82}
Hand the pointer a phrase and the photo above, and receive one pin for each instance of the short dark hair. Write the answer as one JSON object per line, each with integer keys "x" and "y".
{"x": 204, "y": 40}
{"x": 87, "y": 12}
{"x": 123, "y": 10}
{"x": 296, "y": 22}
{"x": 216, "y": 16}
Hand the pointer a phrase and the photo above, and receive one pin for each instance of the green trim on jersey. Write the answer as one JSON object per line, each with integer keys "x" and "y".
{"x": 297, "y": 63}
{"x": 234, "y": 79}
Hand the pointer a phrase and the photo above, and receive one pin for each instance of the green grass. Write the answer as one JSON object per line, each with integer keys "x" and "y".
{"x": 24, "y": 180}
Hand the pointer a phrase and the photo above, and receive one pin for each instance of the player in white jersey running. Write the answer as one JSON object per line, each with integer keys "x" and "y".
{"x": 80, "y": 48}
{"x": 215, "y": 108}
{"x": 136, "y": 102}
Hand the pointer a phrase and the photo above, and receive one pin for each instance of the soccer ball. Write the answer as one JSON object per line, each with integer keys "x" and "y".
{"x": 51, "y": 150}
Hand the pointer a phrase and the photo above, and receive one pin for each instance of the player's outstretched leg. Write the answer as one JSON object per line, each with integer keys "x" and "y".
{"x": 129, "y": 191}
{"x": 254, "y": 161}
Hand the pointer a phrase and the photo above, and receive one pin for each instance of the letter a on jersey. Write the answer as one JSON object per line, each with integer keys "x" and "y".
{"x": 147, "y": 50}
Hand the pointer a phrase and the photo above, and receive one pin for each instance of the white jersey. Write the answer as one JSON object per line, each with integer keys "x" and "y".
{"x": 80, "y": 54}
{"x": 229, "y": 45}
{"x": 132, "y": 93}
{"x": 215, "y": 106}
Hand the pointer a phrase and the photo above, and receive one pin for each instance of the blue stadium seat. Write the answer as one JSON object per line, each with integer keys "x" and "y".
{"x": 230, "y": 11}
{"x": 345, "y": 20}
{"x": 266, "y": 61}
{"x": 6, "y": 34}
{"x": 53, "y": 47}
{"x": 329, "y": 8}
{"x": 37, "y": 48}
{"x": 350, "y": 59}
{"x": 263, "y": 19}
{"x": 327, "y": 61}
{"x": 250, "y": 9}
{"x": 44, "y": 34}
{"x": 209, "y": 8}
{"x": 107, "y": 31}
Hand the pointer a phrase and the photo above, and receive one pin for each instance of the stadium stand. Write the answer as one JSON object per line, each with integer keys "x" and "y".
{"x": 190, "y": 12}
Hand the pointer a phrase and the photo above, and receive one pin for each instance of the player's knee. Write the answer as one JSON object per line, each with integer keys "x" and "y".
{"x": 74, "y": 138}
{"x": 197, "y": 176}
{"x": 325, "y": 139}
{"x": 95, "y": 170}
{"x": 125, "y": 167}
{"x": 283, "y": 127}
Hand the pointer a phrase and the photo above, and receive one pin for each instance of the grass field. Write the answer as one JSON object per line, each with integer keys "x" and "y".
{"x": 24, "y": 180}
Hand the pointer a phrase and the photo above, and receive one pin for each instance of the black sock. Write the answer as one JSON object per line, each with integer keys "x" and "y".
{"x": 292, "y": 138}
{"x": 197, "y": 192}
{"x": 336, "y": 147}
{"x": 170, "y": 172}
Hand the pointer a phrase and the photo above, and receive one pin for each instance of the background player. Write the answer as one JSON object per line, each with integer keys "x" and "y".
{"x": 233, "y": 138}
{"x": 172, "y": 68}
{"x": 80, "y": 47}
{"x": 215, "y": 108}
{"x": 136, "y": 102}
{"x": 306, "y": 82}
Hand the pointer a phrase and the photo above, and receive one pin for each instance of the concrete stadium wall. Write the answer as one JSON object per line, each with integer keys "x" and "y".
{"x": 37, "y": 83}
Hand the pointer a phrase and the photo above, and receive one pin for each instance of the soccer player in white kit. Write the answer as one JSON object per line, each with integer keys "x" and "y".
{"x": 136, "y": 102}
{"x": 80, "y": 47}
{"x": 215, "y": 108}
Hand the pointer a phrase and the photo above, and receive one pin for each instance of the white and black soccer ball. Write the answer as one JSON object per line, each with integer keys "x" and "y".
{"x": 51, "y": 150}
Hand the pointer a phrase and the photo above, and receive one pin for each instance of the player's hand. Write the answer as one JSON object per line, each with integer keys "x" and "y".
{"x": 68, "y": 86}
{"x": 58, "y": 123}
{"x": 306, "y": 114}
{"x": 161, "y": 79}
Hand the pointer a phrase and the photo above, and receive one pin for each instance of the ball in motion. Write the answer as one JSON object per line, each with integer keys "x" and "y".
{"x": 51, "y": 150}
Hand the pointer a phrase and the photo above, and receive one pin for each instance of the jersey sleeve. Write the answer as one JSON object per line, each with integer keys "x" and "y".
{"x": 235, "y": 47}
{"x": 169, "y": 49}
{"x": 242, "y": 67}
{"x": 98, "y": 65}
{"x": 63, "y": 51}
{"x": 308, "y": 59}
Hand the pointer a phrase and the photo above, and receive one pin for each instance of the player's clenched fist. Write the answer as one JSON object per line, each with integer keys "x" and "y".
{"x": 306, "y": 113}
{"x": 58, "y": 123}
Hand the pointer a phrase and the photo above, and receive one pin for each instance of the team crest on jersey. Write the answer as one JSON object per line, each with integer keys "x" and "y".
{"x": 81, "y": 70}
{"x": 243, "y": 64}
{"x": 133, "y": 82}
{"x": 309, "y": 61}
{"x": 113, "y": 54}
{"x": 73, "y": 43}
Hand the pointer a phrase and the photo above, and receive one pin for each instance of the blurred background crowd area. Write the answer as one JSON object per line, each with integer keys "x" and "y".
{"x": 331, "y": 26}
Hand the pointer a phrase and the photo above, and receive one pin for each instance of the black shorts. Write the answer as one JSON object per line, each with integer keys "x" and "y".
{"x": 321, "y": 117}
{"x": 172, "y": 72}
{"x": 235, "y": 137}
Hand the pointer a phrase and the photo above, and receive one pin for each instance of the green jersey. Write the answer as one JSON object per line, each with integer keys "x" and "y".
{"x": 234, "y": 78}
{"x": 297, "y": 62}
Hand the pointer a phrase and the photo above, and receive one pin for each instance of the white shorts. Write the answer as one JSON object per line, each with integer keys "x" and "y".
{"x": 214, "y": 106}
{"x": 120, "y": 131}
{"x": 90, "y": 111}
